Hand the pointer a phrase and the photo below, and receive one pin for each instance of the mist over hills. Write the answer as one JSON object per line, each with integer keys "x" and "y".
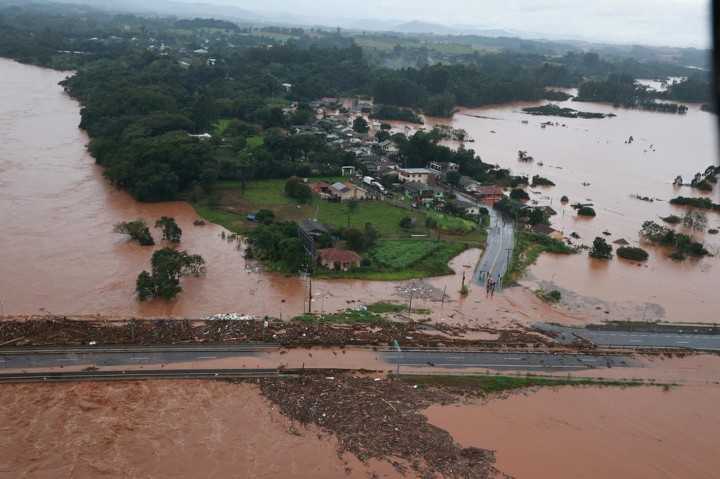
{"x": 261, "y": 14}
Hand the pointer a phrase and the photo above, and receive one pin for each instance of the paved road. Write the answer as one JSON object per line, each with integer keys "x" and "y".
{"x": 636, "y": 339}
{"x": 134, "y": 375}
{"x": 506, "y": 361}
{"x": 500, "y": 241}
{"x": 51, "y": 357}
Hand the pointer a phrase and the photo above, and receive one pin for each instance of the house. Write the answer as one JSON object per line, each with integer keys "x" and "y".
{"x": 468, "y": 184}
{"x": 341, "y": 259}
{"x": 417, "y": 191}
{"x": 547, "y": 210}
{"x": 546, "y": 230}
{"x": 388, "y": 147}
{"x": 488, "y": 194}
{"x": 338, "y": 191}
{"x": 442, "y": 167}
{"x": 313, "y": 228}
{"x": 419, "y": 175}
{"x": 470, "y": 208}
{"x": 348, "y": 171}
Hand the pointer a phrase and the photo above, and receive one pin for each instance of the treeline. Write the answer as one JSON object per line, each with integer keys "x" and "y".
{"x": 621, "y": 90}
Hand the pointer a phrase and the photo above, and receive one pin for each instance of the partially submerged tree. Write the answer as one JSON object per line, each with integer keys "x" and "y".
{"x": 137, "y": 229}
{"x": 170, "y": 230}
{"x": 168, "y": 266}
{"x": 600, "y": 249}
{"x": 694, "y": 219}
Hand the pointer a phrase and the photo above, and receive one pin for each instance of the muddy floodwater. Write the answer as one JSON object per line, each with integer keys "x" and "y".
{"x": 58, "y": 252}
{"x": 591, "y": 161}
{"x": 159, "y": 429}
{"x": 641, "y": 432}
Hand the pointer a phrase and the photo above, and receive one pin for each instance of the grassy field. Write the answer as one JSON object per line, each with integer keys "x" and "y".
{"x": 269, "y": 194}
{"x": 397, "y": 255}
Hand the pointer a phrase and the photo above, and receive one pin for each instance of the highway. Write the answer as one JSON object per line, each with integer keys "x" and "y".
{"x": 505, "y": 360}
{"x": 60, "y": 376}
{"x": 500, "y": 241}
{"x": 60, "y": 357}
{"x": 634, "y": 339}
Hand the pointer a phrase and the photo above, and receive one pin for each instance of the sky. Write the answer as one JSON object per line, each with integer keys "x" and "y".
{"x": 681, "y": 23}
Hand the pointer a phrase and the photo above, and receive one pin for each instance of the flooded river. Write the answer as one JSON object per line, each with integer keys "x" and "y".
{"x": 591, "y": 161}
{"x": 58, "y": 252}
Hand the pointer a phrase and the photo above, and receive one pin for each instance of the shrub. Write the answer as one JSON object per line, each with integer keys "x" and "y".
{"x": 672, "y": 219}
{"x": 631, "y": 252}
{"x": 713, "y": 231}
{"x": 586, "y": 211}
{"x": 407, "y": 222}
{"x": 555, "y": 295}
{"x": 564, "y": 199}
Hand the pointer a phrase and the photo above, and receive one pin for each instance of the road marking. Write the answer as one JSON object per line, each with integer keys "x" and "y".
{"x": 455, "y": 357}
{"x": 207, "y": 357}
{"x": 138, "y": 359}
{"x": 636, "y": 340}
{"x": 588, "y": 360}
{"x": 682, "y": 342}
{"x": 66, "y": 360}
{"x": 513, "y": 359}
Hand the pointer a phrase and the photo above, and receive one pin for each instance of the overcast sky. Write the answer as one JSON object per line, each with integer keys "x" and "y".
{"x": 651, "y": 22}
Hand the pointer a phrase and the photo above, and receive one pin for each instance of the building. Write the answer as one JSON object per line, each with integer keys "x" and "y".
{"x": 442, "y": 167}
{"x": 488, "y": 194}
{"x": 341, "y": 259}
{"x": 418, "y": 175}
{"x": 470, "y": 208}
{"x": 546, "y": 230}
{"x": 339, "y": 191}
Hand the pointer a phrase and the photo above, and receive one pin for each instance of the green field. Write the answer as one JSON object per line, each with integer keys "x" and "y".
{"x": 402, "y": 254}
{"x": 396, "y": 255}
{"x": 270, "y": 194}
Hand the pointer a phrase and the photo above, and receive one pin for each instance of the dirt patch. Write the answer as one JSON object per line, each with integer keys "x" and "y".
{"x": 375, "y": 418}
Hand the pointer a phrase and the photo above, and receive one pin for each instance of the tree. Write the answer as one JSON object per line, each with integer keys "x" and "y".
{"x": 351, "y": 207}
{"x": 360, "y": 125}
{"x": 519, "y": 194}
{"x": 695, "y": 219}
{"x": 631, "y": 252}
{"x": 656, "y": 233}
{"x": 407, "y": 222}
{"x": 600, "y": 249}
{"x": 168, "y": 266}
{"x": 295, "y": 187}
{"x": 452, "y": 178}
{"x": 137, "y": 229}
{"x": 170, "y": 230}
{"x": 586, "y": 211}
{"x": 356, "y": 241}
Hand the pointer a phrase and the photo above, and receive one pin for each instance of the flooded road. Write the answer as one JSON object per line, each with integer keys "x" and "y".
{"x": 58, "y": 251}
{"x": 591, "y": 161}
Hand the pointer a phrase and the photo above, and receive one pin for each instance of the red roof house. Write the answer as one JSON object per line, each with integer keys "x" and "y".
{"x": 341, "y": 259}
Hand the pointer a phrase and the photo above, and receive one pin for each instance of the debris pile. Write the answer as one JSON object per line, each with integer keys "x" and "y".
{"x": 239, "y": 328}
{"x": 379, "y": 419}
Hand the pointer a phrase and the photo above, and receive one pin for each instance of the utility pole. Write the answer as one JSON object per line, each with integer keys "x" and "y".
{"x": 442, "y": 304}
{"x": 410, "y": 304}
{"x": 310, "y": 296}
